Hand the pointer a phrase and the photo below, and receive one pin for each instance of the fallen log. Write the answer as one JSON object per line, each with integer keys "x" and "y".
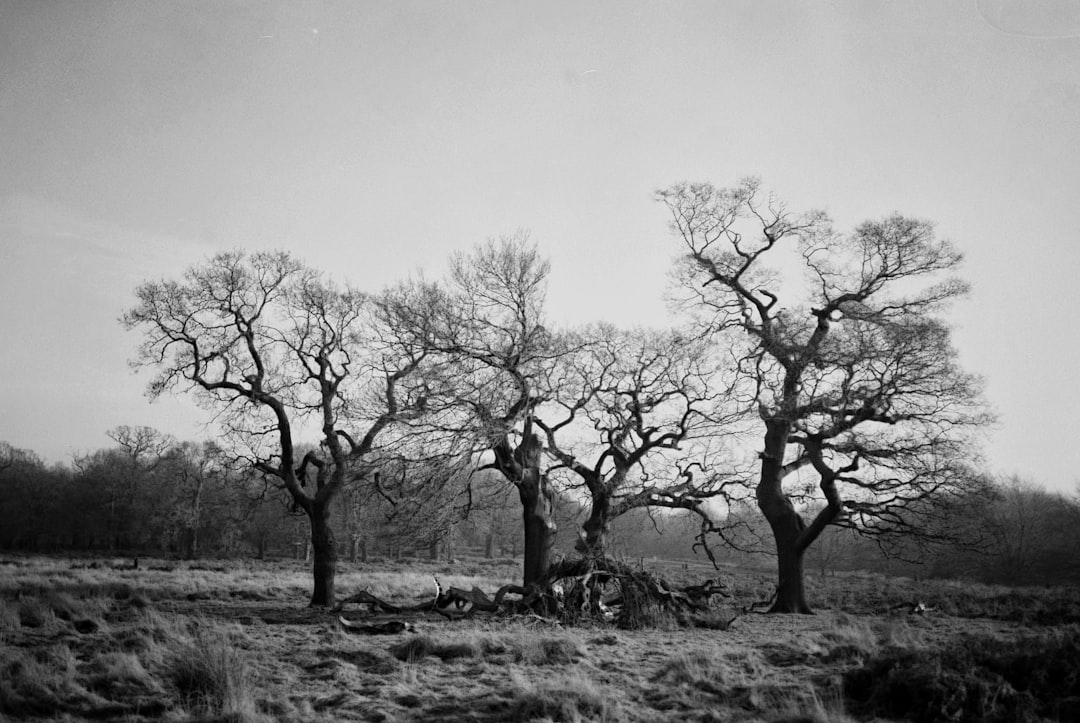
{"x": 912, "y": 608}
{"x": 391, "y": 627}
{"x": 366, "y": 598}
{"x": 456, "y": 603}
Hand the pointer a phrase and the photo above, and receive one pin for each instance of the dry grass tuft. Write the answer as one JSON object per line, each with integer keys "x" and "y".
{"x": 901, "y": 634}
{"x": 214, "y": 679}
{"x": 154, "y": 637}
{"x": 405, "y": 689}
{"x": 9, "y": 616}
{"x": 35, "y": 613}
{"x": 63, "y": 605}
{"x": 546, "y": 648}
{"x": 713, "y": 619}
{"x": 519, "y": 644}
{"x": 563, "y": 698}
{"x": 848, "y": 638}
{"x": 808, "y": 708}
{"x": 419, "y": 647}
{"x": 40, "y": 682}
{"x": 138, "y": 599}
{"x": 414, "y": 649}
{"x": 735, "y": 680}
{"x": 121, "y": 675}
{"x": 459, "y": 649}
{"x": 366, "y": 660}
{"x": 713, "y": 672}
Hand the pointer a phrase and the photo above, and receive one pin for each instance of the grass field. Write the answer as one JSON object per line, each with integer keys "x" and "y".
{"x": 235, "y": 641}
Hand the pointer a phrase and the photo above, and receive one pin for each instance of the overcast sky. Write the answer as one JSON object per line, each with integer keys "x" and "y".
{"x": 371, "y": 138}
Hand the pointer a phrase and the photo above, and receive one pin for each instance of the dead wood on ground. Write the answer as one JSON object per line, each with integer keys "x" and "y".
{"x": 576, "y": 591}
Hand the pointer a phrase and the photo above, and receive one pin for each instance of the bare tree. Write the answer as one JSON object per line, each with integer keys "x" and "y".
{"x": 25, "y": 497}
{"x": 492, "y": 332}
{"x": 492, "y": 518}
{"x": 615, "y": 410}
{"x": 1034, "y": 534}
{"x": 143, "y": 449}
{"x": 8, "y": 456}
{"x": 639, "y": 419}
{"x": 415, "y": 503}
{"x": 196, "y": 472}
{"x": 276, "y": 351}
{"x": 859, "y": 387}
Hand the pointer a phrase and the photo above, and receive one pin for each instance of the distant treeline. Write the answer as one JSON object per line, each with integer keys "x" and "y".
{"x": 152, "y": 495}
{"x": 1021, "y": 535}
{"x": 149, "y": 494}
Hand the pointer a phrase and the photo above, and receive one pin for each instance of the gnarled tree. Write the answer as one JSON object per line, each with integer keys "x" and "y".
{"x": 858, "y": 386}
{"x": 639, "y": 419}
{"x": 278, "y": 352}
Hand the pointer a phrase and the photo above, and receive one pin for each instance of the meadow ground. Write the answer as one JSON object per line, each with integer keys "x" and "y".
{"x": 235, "y": 641}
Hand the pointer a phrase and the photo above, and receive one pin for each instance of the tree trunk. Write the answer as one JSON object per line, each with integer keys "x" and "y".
{"x": 196, "y": 514}
{"x": 593, "y": 540}
{"x": 113, "y": 532}
{"x": 790, "y": 590}
{"x": 489, "y": 545}
{"x": 433, "y": 550}
{"x": 785, "y": 522}
{"x": 191, "y": 544}
{"x": 324, "y": 549}
{"x": 538, "y": 513}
